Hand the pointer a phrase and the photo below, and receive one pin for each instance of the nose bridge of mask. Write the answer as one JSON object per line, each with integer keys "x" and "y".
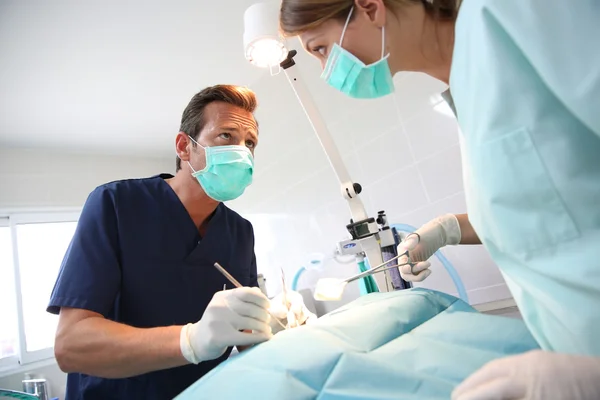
{"x": 223, "y": 155}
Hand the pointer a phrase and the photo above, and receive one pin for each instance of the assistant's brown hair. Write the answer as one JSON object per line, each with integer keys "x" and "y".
{"x": 192, "y": 120}
{"x": 299, "y": 16}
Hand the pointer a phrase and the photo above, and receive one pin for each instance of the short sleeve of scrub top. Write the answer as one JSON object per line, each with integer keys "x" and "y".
{"x": 137, "y": 258}
{"x": 90, "y": 275}
{"x": 525, "y": 80}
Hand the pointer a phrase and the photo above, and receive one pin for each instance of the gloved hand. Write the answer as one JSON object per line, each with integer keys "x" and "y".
{"x": 228, "y": 313}
{"x": 298, "y": 314}
{"x": 535, "y": 375}
{"x": 423, "y": 243}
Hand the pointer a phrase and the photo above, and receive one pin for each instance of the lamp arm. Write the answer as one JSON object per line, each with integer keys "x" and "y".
{"x": 350, "y": 190}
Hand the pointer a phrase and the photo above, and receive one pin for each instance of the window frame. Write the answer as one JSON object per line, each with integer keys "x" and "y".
{"x": 9, "y": 362}
{"x": 12, "y": 220}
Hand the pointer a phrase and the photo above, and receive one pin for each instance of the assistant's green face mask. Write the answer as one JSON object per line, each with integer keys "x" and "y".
{"x": 228, "y": 171}
{"x": 346, "y": 73}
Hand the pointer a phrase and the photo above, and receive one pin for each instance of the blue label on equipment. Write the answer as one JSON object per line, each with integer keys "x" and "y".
{"x": 349, "y": 245}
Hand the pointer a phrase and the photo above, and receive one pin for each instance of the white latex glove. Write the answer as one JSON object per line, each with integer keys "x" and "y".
{"x": 535, "y": 375}
{"x": 228, "y": 313}
{"x": 423, "y": 243}
{"x": 298, "y": 315}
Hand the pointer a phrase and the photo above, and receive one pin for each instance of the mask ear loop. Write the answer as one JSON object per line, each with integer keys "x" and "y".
{"x": 382, "y": 41}
{"x": 198, "y": 144}
{"x": 193, "y": 140}
{"x": 346, "y": 25}
{"x": 383, "y": 55}
{"x": 193, "y": 170}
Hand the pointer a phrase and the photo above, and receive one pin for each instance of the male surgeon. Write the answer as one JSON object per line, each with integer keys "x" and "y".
{"x": 143, "y": 312}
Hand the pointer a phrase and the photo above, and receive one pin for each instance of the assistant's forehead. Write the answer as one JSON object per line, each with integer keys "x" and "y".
{"x": 224, "y": 114}
{"x": 327, "y": 31}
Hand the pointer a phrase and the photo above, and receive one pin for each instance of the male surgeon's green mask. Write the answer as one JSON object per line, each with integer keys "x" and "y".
{"x": 228, "y": 171}
{"x": 346, "y": 73}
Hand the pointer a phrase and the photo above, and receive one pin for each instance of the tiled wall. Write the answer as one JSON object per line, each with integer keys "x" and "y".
{"x": 404, "y": 151}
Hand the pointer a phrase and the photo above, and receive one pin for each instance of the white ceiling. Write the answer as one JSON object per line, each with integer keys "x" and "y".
{"x": 113, "y": 76}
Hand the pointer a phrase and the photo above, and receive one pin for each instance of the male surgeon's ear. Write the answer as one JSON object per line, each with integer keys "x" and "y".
{"x": 374, "y": 10}
{"x": 182, "y": 146}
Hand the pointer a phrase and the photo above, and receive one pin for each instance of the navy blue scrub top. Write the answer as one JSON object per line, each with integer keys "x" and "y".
{"x": 137, "y": 258}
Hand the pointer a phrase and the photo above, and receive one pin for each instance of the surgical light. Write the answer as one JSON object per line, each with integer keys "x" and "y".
{"x": 263, "y": 45}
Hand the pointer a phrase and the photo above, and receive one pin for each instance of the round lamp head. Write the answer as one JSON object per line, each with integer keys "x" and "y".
{"x": 263, "y": 44}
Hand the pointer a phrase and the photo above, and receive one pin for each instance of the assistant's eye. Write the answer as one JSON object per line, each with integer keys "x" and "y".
{"x": 250, "y": 144}
{"x": 225, "y": 135}
{"x": 322, "y": 50}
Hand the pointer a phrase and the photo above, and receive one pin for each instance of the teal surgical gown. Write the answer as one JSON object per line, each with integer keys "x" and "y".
{"x": 525, "y": 80}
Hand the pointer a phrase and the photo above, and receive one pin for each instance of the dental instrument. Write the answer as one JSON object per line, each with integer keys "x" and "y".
{"x": 331, "y": 289}
{"x": 235, "y": 283}
{"x": 227, "y": 275}
{"x": 291, "y": 318}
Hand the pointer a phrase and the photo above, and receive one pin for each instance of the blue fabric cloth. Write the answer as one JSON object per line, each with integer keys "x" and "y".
{"x": 526, "y": 86}
{"x": 409, "y": 344}
{"x": 137, "y": 258}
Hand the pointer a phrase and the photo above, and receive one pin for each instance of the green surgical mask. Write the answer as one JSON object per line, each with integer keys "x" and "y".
{"x": 346, "y": 73}
{"x": 228, "y": 171}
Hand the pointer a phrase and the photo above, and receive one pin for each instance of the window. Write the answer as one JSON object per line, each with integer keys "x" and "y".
{"x": 8, "y": 314}
{"x": 32, "y": 247}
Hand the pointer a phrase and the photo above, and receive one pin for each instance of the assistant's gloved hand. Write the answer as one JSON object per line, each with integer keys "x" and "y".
{"x": 298, "y": 315}
{"x": 228, "y": 313}
{"x": 423, "y": 243}
{"x": 535, "y": 375}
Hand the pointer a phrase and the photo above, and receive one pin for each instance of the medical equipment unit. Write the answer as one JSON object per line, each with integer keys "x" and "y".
{"x": 371, "y": 237}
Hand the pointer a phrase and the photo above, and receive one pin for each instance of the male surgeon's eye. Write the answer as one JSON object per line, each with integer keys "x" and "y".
{"x": 225, "y": 136}
{"x": 250, "y": 144}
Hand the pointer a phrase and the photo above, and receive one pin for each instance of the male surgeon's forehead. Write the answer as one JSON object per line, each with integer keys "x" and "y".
{"x": 235, "y": 118}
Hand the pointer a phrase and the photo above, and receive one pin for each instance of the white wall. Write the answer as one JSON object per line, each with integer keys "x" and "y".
{"x": 42, "y": 179}
{"x": 47, "y": 178}
{"x": 404, "y": 151}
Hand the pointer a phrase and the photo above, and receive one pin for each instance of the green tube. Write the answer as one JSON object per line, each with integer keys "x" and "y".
{"x": 366, "y": 284}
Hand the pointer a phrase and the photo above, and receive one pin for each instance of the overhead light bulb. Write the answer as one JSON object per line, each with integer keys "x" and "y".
{"x": 263, "y": 44}
{"x": 266, "y": 52}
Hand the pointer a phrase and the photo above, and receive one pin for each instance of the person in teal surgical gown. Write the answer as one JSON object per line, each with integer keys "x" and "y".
{"x": 524, "y": 77}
